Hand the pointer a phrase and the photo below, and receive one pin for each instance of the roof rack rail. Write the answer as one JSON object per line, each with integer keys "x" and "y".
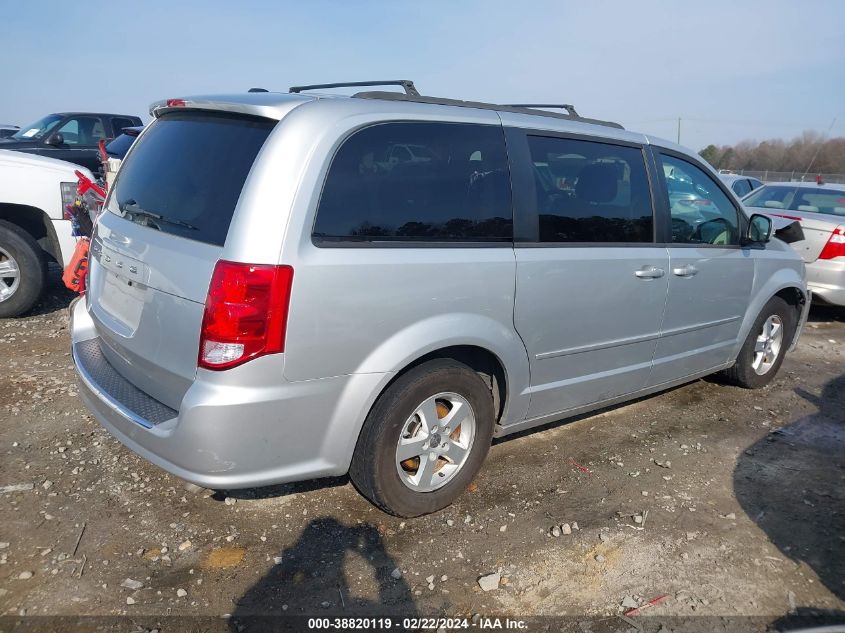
{"x": 559, "y": 106}
{"x": 407, "y": 84}
{"x": 569, "y": 115}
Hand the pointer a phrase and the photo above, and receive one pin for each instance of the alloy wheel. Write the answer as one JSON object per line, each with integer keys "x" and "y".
{"x": 435, "y": 442}
{"x": 10, "y": 275}
{"x": 768, "y": 344}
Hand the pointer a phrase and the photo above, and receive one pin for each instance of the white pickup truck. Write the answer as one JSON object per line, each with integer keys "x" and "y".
{"x": 33, "y": 230}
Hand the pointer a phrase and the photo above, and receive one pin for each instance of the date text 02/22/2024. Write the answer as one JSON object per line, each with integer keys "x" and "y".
{"x": 416, "y": 624}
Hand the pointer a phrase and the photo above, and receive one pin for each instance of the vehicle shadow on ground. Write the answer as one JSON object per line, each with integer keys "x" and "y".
{"x": 55, "y": 296}
{"x": 790, "y": 484}
{"x": 282, "y": 490}
{"x": 314, "y": 574}
{"x": 821, "y": 312}
{"x": 805, "y": 619}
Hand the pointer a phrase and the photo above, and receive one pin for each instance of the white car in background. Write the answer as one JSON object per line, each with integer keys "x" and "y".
{"x": 820, "y": 209}
{"x": 33, "y": 226}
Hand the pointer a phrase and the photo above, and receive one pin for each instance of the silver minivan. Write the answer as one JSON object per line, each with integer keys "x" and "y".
{"x": 291, "y": 286}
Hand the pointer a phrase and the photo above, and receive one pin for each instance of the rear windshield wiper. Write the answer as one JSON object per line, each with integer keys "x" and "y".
{"x": 131, "y": 207}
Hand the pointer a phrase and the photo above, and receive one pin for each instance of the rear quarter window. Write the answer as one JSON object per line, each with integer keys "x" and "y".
{"x": 741, "y": 187}
{"x": 118, "y": 123}
{"x": 186, "y": 173}
{"x": 417, "y": 182}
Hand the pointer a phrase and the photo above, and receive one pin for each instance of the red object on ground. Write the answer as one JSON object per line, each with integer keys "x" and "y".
{"x": 651, "y": 603}
{"x": 583, "y": 469}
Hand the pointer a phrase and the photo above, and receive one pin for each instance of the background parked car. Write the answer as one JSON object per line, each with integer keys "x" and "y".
{"x": 70, "y": 136}
{"x": 820, "y": 209}
{"x": 116, "y": 150}
{"x": 7, "y": 130}
{"x": 740, "y": 185}
{"x": 33, "y": 227}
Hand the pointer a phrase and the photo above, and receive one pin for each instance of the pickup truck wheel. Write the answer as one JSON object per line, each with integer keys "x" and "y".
{"x": 762, "y": 353}
{"x": 424, "y": 439}
{"x": 22, "y": 270}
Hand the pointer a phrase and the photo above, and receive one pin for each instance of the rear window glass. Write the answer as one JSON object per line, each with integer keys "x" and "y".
{"x": 741, "y": 187}
{"x": 590, "y": 191}
{"x": 417, "y": 182}
{"x": 186, "y": 173}
{"x": 827, "y": 201}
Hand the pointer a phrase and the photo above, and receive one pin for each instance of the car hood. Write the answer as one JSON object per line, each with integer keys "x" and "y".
{"x": 14, "y": 143}
{"x": 21, "y": 159}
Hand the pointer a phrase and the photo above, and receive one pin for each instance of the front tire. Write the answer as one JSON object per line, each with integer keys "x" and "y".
{"x": 22, "y": 270}
{"x": 762, "y": 353}
{"x": 424, "y": 439}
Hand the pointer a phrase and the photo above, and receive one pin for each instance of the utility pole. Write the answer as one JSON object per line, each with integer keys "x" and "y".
{"x": 679, "y": 130}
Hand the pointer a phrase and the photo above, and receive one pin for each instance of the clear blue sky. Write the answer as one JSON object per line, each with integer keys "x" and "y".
{"x": 730, "y": 69}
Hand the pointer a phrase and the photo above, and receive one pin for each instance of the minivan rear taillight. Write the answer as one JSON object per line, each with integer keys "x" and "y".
{"x": 835, "y": 246}
{"x": 246, "y": 313}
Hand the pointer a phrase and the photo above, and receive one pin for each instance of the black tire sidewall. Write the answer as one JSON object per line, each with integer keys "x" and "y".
{"x": 30, "y": 260}
{"x": 375, "y": 455}
{"x": 745, "y": 373}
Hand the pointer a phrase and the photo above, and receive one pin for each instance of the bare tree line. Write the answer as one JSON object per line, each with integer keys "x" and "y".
{"x": 808, "y": 152}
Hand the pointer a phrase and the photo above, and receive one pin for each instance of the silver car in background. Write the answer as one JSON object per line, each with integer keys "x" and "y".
{"x": 820, "y": 209}
{"x": 273, "y": 298}
{"x": 741, "y": 185}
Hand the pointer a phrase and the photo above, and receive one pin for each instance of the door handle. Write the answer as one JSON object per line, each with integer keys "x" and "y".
{"x": 649, "y": 272}
{"x": 685, "y": 271}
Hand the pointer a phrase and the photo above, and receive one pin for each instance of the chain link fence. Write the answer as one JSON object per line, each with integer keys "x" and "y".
{"x": 787, "y": 176}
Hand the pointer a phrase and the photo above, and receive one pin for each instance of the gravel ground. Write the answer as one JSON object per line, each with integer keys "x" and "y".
{"x": 729, "y": 502}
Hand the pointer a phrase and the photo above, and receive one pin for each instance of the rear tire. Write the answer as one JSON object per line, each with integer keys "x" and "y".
{"x": 461, "y": 420}
{"x": 762, "y": 353}
{"x": 22, "y": 270}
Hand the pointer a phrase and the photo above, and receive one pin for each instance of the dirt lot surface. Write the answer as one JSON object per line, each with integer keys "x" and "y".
{"x": 726, "y": 501}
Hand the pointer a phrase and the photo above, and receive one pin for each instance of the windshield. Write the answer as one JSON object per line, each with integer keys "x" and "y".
{"x": 38, "y": 129}
{"x": 810, "y": 200}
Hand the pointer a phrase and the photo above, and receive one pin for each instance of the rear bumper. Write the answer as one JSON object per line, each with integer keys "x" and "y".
{"x": 224, "y": 435}
{"x": 826, "y": 278}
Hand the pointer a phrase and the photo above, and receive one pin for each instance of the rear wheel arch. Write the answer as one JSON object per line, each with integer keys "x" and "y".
{"x": 484, "y": 362}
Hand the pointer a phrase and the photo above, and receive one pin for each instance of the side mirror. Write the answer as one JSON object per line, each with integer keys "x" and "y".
{"x": 56, "y": 140}
{"x": 759, "y": 229}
